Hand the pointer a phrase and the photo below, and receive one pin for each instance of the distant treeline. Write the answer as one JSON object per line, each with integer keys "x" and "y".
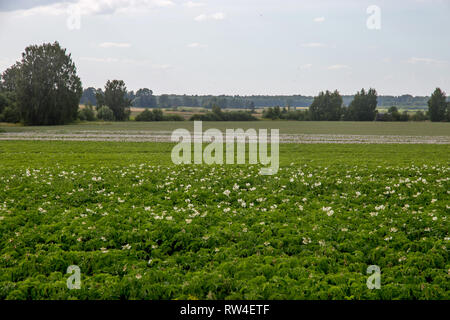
{"x": 43, "y": 88}
{"x": 329, "y": 106}
{"x": 144, "y": 98}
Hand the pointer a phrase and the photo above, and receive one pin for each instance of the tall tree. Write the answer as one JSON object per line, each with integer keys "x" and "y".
{"x": 9, "y": 78}
{"x": 116, "y": 99}
{"x": 326, "y": 106}
{"x": 99, "y": 98}
{"x": 145, "y": 99}
{"x": 46, "y": 84}
{"x": 364, "y": 106}
{"x": 437, "y": 105}
{"x": 89, "y": 96}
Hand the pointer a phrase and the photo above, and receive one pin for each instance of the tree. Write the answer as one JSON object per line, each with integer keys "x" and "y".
{"x": 419, "y": 116}
{"x": 115, "y": 98}
{"x": 145, "y": 99}
{"x": 164, "y": 101}
{"x": 105, "y": 113}
{"x": 8, "y": 108}
{"x": 326, "y": 106}
{"x": 363, "y": 107}
{"x": 87, "y": 113}
{"x": 437, "y": 105}
{"x": 251, "y": 105}
{"x": 89, "y": 96}
{"x": 46, "y": 85}
{"x": 393, "y": 114}
{"x": 147, "y": 115}
{"x": 448, "y": 112}
{"x": 9, "y": 78}
{"x": 99, "y": 98}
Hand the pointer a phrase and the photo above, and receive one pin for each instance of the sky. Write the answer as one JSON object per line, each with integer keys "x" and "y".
{"x": 241, "y": 47}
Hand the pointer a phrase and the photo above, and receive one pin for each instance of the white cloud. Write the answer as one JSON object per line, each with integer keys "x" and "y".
{"x": 161, "y": 66}
{"x": 114, "y": 45}
{"x": 144, "y": 63}
{"x": 305, "y": 66}
{"x": 89, "y": 7}
{"x": 214, "y": 16}
{"x": 338, "y": 67}
{"x": 192, "y": 4}
{"x": 319, "y": 19}
{"x": 415, "y": 60}
{"x": 313, "y": 45}
{"x": 101, "y": 60}
{"x": 196, "y": 45}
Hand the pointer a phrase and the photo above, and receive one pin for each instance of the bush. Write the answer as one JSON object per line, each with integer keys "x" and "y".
{"x": 157, "y": 115}
{"x": 419, "y": 116}
{"x": 173, "y": 117}
{"x": 299, "y": 115}
{"x": 87, "y": 114}
{"x": 105, "y": 113}
{"x": 218, "y": 115}
{"x": 10, "y": 114}
{"x": 148, "y": 115}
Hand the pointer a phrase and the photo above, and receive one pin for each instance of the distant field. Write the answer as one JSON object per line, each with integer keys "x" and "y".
{"x": 286, "y": 127}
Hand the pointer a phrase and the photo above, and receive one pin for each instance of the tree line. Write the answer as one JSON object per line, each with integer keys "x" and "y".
{"x": 329, "y": 106}
{"x": 145, "y": 98}
{"x": 43, "y": 88}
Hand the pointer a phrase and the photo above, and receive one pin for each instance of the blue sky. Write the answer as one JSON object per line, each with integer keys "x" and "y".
{"x": 241, "y": 46}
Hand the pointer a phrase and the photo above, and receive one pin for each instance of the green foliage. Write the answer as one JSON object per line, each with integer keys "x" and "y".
{"x": 105, "y": 113}
{"x": 46, "y": 85}
{"x": 164, "y": 101}
{"x": 147, "y": 115}
{"x": 265, "y": 101}
{"x": 272, "y": 113}
{"x": 116, "y": 99}
{"x": 448, "y": 112}
{"x": 9, "y": 78}
{"x": 217, "y": 114}
{"x": 394, "y": 115}
{"x": 437, "y": 106}
{"x": 363, "y": 107}
{"x": 326, "y": 107}
{"x": 115, "y": 210}
{"x": 10, "y": 114}
{"x": 144, "y": 99}
{"x": 157, "y": 115}
{"x": 419, "y": 116}
{"x": 87, "y": 114}
{"x": 172, "y": 117}
{"x": 8, "y": 108}
{"x": 89, "y": 96}
{"x": 99, "y": 98}
{"x": 3, "y": 102}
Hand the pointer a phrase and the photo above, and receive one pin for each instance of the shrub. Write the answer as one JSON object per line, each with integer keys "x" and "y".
{"x": 10, "y": 114}
{"x": 157, "y": 115}
{"x": 87, "y": 114}
{"x": 218, "y": 115}
{"x": 105, "y": 113}
{"x": 173, "y": 117}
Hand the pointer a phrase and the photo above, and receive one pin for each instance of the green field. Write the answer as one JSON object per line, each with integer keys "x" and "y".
{"x": 286, "y": 127}
{"x": 140, "y": 227}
